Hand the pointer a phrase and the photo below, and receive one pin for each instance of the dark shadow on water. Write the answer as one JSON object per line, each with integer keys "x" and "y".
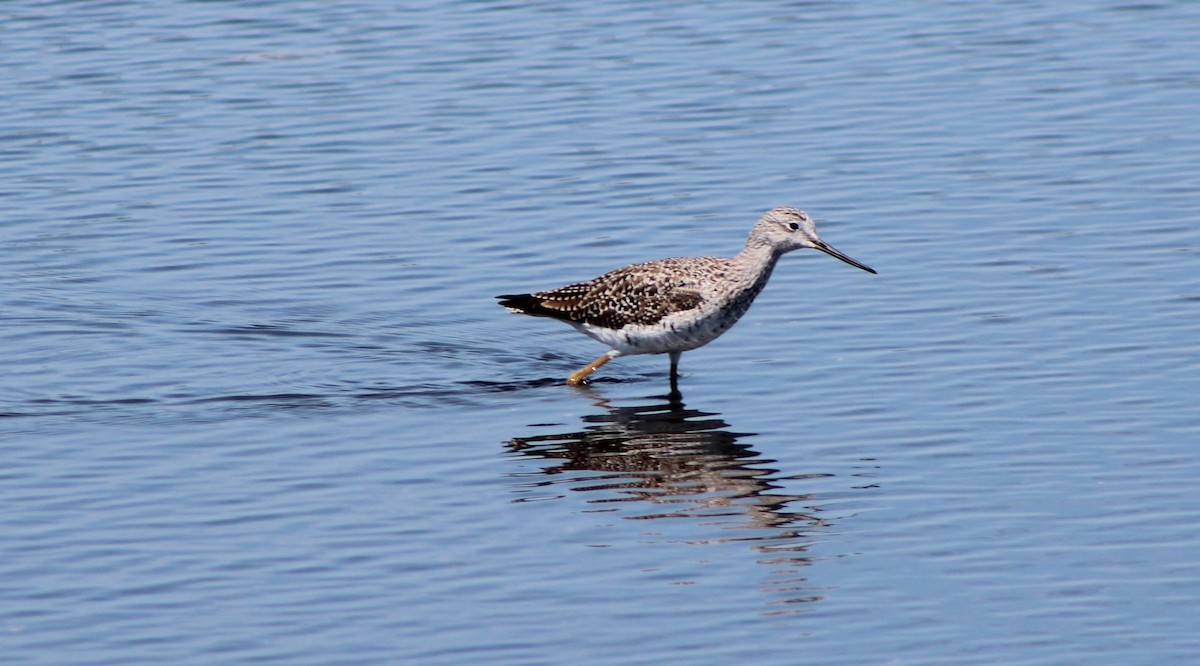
{"x": 180, "y": 405}
{"x": 662, "y": 460}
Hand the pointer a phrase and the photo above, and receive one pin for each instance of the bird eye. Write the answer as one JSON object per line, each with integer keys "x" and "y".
{"x": 793, "y": 226}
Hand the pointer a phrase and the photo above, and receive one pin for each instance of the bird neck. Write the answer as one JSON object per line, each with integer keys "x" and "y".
{"x": 756, "y": 261}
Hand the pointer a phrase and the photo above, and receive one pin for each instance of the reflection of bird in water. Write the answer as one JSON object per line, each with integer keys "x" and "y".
{"x": 666, "y": 454}
{"x": 685, "y": 464}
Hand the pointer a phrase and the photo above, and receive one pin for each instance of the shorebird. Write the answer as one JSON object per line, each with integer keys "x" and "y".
{"x": 670, "y": 306}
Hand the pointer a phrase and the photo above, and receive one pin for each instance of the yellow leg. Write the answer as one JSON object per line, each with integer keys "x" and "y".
{"x": 578, "y": 376}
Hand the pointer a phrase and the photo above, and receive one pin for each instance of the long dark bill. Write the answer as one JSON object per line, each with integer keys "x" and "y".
{"x": 833, "y": 252}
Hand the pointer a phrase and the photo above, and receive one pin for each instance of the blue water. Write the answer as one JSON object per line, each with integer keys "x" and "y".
{"x": 259, "y": 405}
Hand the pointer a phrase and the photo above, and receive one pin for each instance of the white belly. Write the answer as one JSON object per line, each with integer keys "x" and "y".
{"x": 679, "y": 332}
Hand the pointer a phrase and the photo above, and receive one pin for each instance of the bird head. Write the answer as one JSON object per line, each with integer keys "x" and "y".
{"x": 785, "y": 229}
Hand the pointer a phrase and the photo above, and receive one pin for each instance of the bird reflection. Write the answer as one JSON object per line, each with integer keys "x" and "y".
{"x": 663, "y": 460}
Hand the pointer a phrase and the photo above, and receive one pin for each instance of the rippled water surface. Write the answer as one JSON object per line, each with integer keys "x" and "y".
{"x": 259, "y": 406}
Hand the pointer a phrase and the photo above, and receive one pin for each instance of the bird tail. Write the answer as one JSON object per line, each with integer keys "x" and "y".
{"x": 522, "y": 303}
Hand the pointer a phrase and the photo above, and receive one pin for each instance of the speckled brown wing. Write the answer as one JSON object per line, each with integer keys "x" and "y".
{"x": 637, "y": 294}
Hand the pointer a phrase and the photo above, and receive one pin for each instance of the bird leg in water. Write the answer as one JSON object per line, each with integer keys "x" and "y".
{"x": 578, "y": 376}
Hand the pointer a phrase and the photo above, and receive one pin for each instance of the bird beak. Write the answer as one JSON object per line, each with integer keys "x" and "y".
{"x": 833, "y": 252}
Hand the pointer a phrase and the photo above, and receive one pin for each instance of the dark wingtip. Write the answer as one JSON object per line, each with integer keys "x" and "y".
{"x": 531, "y": 304}
{"x": 522, "y": 302}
